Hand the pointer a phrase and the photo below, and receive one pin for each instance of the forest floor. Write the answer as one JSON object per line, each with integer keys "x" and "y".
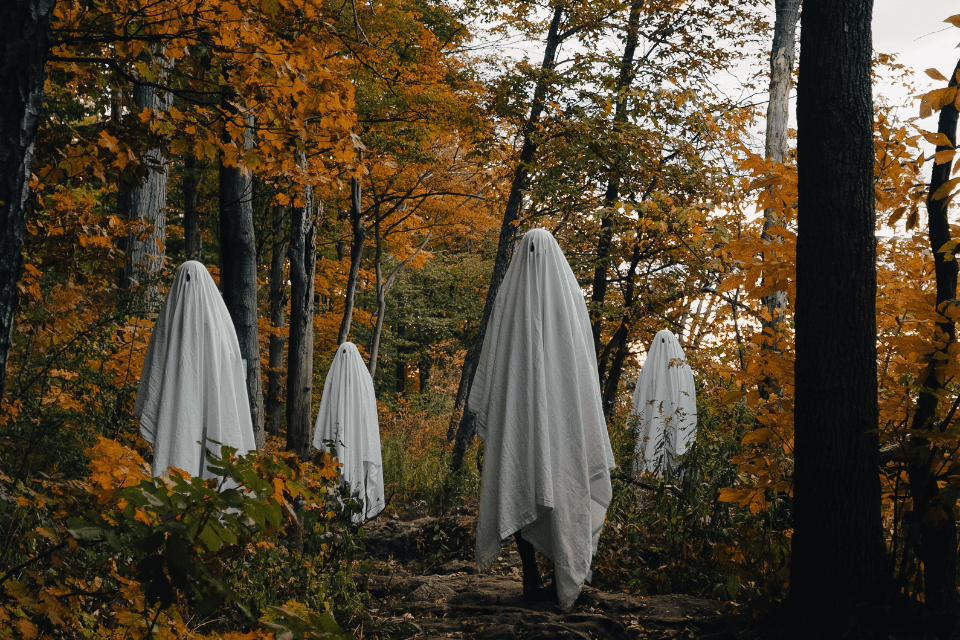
{"x": 425, "y": 584}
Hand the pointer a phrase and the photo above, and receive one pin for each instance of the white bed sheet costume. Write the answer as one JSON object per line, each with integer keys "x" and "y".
{"x": 348, "y": 417}
{"x": 536, "y": 395}
{"x": 666, "y": 402}
{"x": 192, "y": 389}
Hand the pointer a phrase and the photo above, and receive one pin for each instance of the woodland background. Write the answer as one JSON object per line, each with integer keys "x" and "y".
{"x": 361, "y": 170}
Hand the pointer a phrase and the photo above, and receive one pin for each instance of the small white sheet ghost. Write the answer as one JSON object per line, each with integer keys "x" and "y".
{"x": 192, "y": 387}
{"x": 666, "y": 402}
{"x": 348, "y": 418}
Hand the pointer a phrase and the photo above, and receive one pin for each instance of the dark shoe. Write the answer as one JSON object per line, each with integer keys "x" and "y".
{"x": 536, "y": 593}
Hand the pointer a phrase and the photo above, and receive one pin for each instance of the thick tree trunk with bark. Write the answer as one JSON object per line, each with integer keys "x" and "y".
{"x": 191, "y": 215}
{"x": 838, "y": 548}
{"x": 303, "y": 265}
{"x": 23, "y": 55}
{"x": 238, "y": 273}
{"x": 462, "y": 423}
{"x": 356, "y": 254}
{"x": 278, "y": 303}
{"x": 145, "y": 206}
{"x": 612, "y": 194}
{"x": 934, "y": 510}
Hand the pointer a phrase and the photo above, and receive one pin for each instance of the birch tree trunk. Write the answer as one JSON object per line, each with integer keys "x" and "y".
{"x": 778, "y": 114}
{"x": 838, "y": 549}
{"x": 278, "y": 303}
{"x": 23, "y": 55}
{"x": 383, "y": 286}
{"x": 303, "y": 265}
{"x": 462, "y": 423}
{"x": 146, "y": 207}
{"x": 238, "y": 271}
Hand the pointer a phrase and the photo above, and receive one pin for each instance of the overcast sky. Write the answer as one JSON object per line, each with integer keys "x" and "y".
{"x": 916, "y": 31}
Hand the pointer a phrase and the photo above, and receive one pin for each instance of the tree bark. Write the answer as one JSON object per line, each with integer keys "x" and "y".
{"x": 278, "y": 303}
{"x": 238, "y": 271}
{"x": 462, "y": 423}
{"x": 191, "y": 215}
{"x": 401, "y": 366}
{"x": 782, "y": 55}
{"x": 145, "y": 206}
{"x": 838, "y": 548}
{"x": 23, "y": 55}
{"x": 303, "y": 265}
{"x": 612, "y": 194}
{"x": 619, "y": 343}
{"x": 383, "y": 286}
{"x": 934, "y": 510}
{"x": 356, "y": 254}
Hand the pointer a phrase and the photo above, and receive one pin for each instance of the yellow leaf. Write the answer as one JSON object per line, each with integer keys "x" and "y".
{"x": 945, "y": 188}
{"x": 944, "y": 156}
{"x": 936, "y": 75}
{"x": 26, "y": 628}
{"x": 954, "y": 20}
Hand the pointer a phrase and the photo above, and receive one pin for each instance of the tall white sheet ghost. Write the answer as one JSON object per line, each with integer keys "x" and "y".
{"x": 348, "y": 417}
{"x": 666, "y": 402}
{"x": 192, "y": 387}
{"x": 536, "y": 395}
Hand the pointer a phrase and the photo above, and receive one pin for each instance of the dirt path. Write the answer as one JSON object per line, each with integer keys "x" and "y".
{"x": 430, "y": 588}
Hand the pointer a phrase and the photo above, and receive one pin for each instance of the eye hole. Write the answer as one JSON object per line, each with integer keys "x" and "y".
{"x": 662, "y": 341}
{"x": 531, "y": 247}
{"x": 188, "y": 277}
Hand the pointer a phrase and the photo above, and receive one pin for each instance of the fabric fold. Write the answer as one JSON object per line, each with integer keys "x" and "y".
{"x": 666, "y": 402}
{"x": 348, "y": 418}
{"x": 192, "y": 390}
{"x": 536, "y": 396}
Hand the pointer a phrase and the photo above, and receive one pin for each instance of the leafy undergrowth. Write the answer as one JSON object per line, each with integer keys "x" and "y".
{"x": 118, "y": 554}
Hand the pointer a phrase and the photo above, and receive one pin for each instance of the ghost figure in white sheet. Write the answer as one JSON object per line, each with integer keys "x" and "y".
{"x": 536, "y": 396}
{"x": 665, "y": 401}
{"x": 192, "y": 389}
{"x": 348, "y": 418}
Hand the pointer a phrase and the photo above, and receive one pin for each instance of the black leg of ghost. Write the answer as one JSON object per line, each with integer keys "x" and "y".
{"x": 533, "y": 587}
{"x": 528, "y": 560}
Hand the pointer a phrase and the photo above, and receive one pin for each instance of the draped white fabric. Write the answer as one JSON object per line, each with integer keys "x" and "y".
{"x": 536, "y": 395}
{"x": 348, "y": 417}
{"x": 192, "y": 387}
{"x": 666, "y": 402}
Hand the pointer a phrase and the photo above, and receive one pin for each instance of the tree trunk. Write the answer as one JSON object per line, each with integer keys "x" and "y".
{"x": 145, "y": 206}
{"x": 303, "y": 265}
{"x": 356, "y": 254}
{"x": 934, "y": 510}
{"x": 383, "y": 286}
{"x": 462, "y": 423}
{"x": 238, "y": 271}
{"x": 191, "y": 215}
{"x": 838, "y": 547}
{"x": 612, "y": 194}
{"x": 778, "y": 113}
{"x": 278, "y": 303}
{"x": 619, "y": 343}
{"x": 23, "y": 55}
{"x": 401, "y": 366}
{"x": 425, "y": 365}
